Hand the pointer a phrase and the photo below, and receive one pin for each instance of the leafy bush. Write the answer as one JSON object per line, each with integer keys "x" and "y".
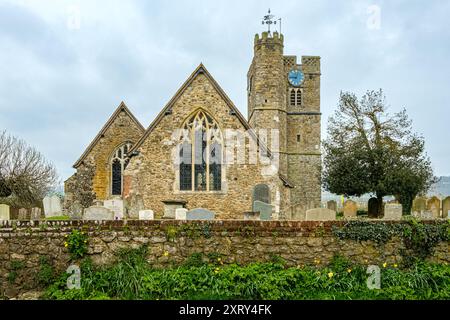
{"x": 77, "y": 244}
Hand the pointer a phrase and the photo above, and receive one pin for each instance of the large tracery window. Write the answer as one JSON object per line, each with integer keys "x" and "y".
{"x": 118, "y": 164}
{"x": 200, "y": 154}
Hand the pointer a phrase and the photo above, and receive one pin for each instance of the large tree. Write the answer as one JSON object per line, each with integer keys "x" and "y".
{"x": 369, "y": 150}
{"x": 25, "y": 176}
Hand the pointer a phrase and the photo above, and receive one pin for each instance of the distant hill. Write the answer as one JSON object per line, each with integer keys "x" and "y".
{"x": 441, "y": 188}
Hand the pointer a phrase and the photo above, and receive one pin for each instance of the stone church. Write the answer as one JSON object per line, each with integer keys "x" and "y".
{"x": 201, "y": 152}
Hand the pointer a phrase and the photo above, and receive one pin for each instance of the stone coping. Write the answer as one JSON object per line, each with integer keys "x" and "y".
{"x": 252, "y": 226}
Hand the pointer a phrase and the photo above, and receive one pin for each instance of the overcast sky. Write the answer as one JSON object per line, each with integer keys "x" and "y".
{"x": 66, "y": 65}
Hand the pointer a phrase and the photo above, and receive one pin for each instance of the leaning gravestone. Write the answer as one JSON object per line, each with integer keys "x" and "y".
{"x": 170, "y": 206}
{"x": 446, "y": 208}
{"x": 52, "y": 206}
{"x": 332, "y": 205}
{"x": 200, "y": 214}
{"x": 4, "y": 212}
{"x": 264, "y": 209}
{"x": 419, "y": 206}
{"x": 180, "y": 213}
{"x": 393, "y": 211}
{"x": 434, "y": 206}
{"x": 261, "y": 192}
{"x": 372, "y": 208}
{"x": 76, "y": 211}
{"x": 98, "y": 213}
{"x": 146, "y": 215}
{"x": 320, "y": 214}
{"x": 35, "y": 214}
{"x": 22, "y": 214}
{"x": 115, "y": 206}
{"x": 350, "y": 209}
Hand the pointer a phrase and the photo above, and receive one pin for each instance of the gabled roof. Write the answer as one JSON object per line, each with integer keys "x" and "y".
{"x": 167, "y": 109}
{"x": 233, "y": 110}
{"x": 120, "y": 108}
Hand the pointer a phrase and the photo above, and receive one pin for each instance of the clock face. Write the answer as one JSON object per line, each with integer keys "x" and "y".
{"x": 296, "y": 77}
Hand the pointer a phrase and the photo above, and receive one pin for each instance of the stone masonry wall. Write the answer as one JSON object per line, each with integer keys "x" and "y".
{"x": 171, "y": 242}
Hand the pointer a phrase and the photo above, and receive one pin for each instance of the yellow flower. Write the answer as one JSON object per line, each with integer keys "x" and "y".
{"x": 349, "y": 270}
{"x": 395, "y": 265}
{"x": 330, "y": 275}
{"x": 316, "y": 261}
{"x": 218, "y": 259}
{"x": 385, "y": 265}
{"x": 216, "y": 270}
{"x": 66, "y": 244}
{"x": 166, "y": 253}
{"x": 366, "y": 261}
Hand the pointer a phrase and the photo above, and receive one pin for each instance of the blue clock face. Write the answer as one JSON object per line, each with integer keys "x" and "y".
{"x": 296, "y": 77}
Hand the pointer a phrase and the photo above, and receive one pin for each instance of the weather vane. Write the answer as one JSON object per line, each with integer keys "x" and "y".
{"x": 269, "y": 20}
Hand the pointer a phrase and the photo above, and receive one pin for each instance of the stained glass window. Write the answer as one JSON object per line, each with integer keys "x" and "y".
{"x": 119, "y": 162}
{"x": 200, "y": 154}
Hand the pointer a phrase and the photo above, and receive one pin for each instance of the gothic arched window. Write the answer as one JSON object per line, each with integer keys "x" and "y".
{"x": 200, "y": 152}
{"x": 118, "y": 164}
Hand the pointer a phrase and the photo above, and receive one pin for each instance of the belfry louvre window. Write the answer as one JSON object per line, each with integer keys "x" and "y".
{"x": 200, "y": 152}
{"x": 295, "y": 97}
{"x": 118, "y": 165}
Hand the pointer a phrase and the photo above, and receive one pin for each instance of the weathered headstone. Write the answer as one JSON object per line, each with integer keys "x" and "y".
{"x": 261, "y": 192}
{"x": 393, "y": 211}
{"x": 180, "y": 213}
{"x": 332, "y": 205}
{"x": 446, "y": 208}
{"x": 264, "y": 209}
{"x": 372, "y": 208}
{"x": 22, "y": 214}
{"x": 52, "y": 206}
{"x": 146, "y": 215}
{"x": 320, "y": 214}
{"x": 98, "y": 213}
{"x": 115, "y": 206}
{"x": 419, "y": 206}
{"x": 350, "y": 209}
{"x": 4, "y": 212}
{"x": 136, "y": 205}
{"x": 170, "y": 206}
{"x": 200, "y": 214}
{"x": 76, "y": 211}
{"x": 434, "y": 206}
{"x": 426, "y": 215}
{"x": 35, "y": 214}
{"x": 252, "y": 215}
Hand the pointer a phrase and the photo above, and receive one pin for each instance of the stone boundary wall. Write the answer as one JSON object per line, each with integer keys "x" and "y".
{"x": 24, "y": 243}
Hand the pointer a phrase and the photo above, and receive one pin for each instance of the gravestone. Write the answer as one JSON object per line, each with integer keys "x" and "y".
{"x": 350, "y": 209}
{"x": 426, "y": 215}
{"x": 146, "y": 215}
{"x": 320, "y": 214}
{"x": 52, "y": 206}
{"x": 332, "y": 205}
{"x": 261, "y": 192}
{"x": 22, "y": 214}
{"x": 35, "y": 214}
{"x": 98, "y": 213}
{"x": 393, "y": 211}
{"x": 419, "y": 206}
{"x": 76, "y": 211}
{"x": 446, "y": 208}
{"x": 372, "y": 208}
{"x": 180, "y": 213}
{"x": 170, "y": 206}
{"x": 200, "y": 214}
{"x": 252, "y": 215}
{"x": 115, "y": 206}
{"x": 4, "y": 212}
{"x": 136, "y": 205}
{"x": 264, "y": 209}
{"x": 434, "y": 206}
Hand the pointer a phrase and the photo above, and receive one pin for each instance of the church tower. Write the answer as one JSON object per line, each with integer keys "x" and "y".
{"x": 285, "y": 96}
